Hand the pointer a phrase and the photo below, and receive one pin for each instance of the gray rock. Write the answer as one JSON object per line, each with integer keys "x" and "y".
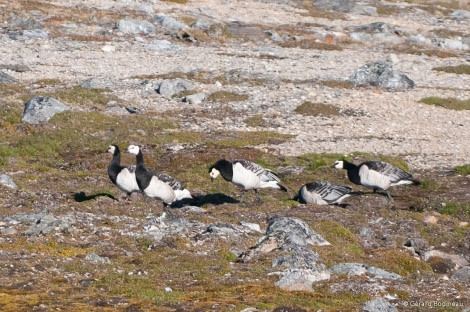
{"x": 35, "y": 33}
{"x": 19, "y": 68}
{"x": 48, "y": 223}
{"x": 247, "y": 31}
{"x": 381, "y": 74}
{"x": 364, "y": 10}
{"x": 163, "y": 45}
{"x": 294, "y": 237}
{"x": 302, "y": 279}
{"x": 167, "y": 227}
{"x": 252, "y": 226}
{"x": 207, "y": 11}
{"x": 419, "y": 39}
{"x": 460, "y": 15}
{"x": 294, "y": 231}
{"x": 7, "y": 181}
{"x": 94, "y": 83}
{"x": 274, "y": 35}
{"x": 16, "y": 21}
{"x": 418, "y": 245}
{"x": 4, "y": 78}
{"x": 95, "y": 258}
{"x": 377, "y": 27}
{"x": 170, "y": 87}
{"x": 195, "y": 99}
{"x": 129, "y": 26}
{"x": 367, "y": 238}
{"x": 299, "y": 257}
{"x": 169, "y": 22}
{"x": 462, "y": 275}
{"x": 459, "y": 261}
{"x": 146, "y": 9}
{"x": 379, "y": 305}
{"x": 202, "y": 24}
{"x": 452, "y": 44}
{"x": 41, "y": 109}
{"x": 337, "y": 5}
{"x": 361, "y": 269}
{"x": 221, "y": 229}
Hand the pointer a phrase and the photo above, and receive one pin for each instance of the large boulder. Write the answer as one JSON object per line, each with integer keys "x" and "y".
{"x": 381, "y": 74}
{"x": 41, "y": 109}
{"x": 130, "y": 26}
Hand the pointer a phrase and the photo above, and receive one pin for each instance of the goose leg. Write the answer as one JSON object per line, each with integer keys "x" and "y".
{"x": 243, "y": 196}
{"x": 389, "y": 196}
{"x": 166, "y": 212}
{"x": 258, "y": 198}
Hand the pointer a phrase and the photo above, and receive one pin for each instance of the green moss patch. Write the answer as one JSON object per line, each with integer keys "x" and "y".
{"x": 317, "y": 109}
{"x": 449, "y": 103}
{"x": 463, "y": 169}
{"x": 226, "y": 96}
{"x": 459, "y": 69}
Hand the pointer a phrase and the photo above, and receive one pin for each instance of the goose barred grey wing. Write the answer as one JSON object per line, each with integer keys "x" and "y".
{"x": 264, "y": 174}
{"x": 328, "y": 191}
{"x": 395, "y": 174}
{"x": 175, "y": 184}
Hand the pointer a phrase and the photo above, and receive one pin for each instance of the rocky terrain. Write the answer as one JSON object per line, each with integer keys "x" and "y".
{"x": 290, "y": 84}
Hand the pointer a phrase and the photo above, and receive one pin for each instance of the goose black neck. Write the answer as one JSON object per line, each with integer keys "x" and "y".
{"x": 349, "y": 166}
{"x": 139, "y": 159}
{"x": 353, "y": 172}
{"x": 225, "y": 168}
{"x": 116, "y": 157}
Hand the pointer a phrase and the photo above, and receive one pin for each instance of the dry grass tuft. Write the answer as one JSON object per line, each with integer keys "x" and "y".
{"x": 317, "y": 109}
{"x": 463, "y": 69}
{"x": 449, "y": 103}
{"x": 313, "y": 44}
{"x": 226, "y": 96}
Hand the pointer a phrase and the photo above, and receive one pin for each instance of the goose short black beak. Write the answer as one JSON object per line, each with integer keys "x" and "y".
{"x": 212, "y": 179}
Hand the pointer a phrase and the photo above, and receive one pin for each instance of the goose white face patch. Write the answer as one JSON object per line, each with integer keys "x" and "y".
{"x": 133, "y": 149}
{"x": 214, "y": 173}
{"x": 339, "y": 164}
{"x": 111, "y": 149}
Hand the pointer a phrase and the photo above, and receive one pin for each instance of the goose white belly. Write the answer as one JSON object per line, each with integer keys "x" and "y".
{"x": 161, "y": 190}
{"x": 373, "y": 179}
{"x": 245, "y": 178}
{"x": 126, "y": 181}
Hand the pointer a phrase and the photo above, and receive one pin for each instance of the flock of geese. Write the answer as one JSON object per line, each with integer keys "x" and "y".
{"x": 376, "y": 175}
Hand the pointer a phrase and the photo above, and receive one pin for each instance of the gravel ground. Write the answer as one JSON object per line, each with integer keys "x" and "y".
{"x": 391, "y": 122}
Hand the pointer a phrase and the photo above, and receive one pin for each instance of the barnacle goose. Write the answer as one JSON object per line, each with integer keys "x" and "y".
{"x": 247, "y": 174}
{"x": 121, "y": 176}
{"x": 157, "y": 185}
{"x": 323, "y": 193}
{"x": 376, "y": 175}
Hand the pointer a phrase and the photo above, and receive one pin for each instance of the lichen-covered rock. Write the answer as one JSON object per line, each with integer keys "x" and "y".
{"x": 168, "y": 88}
{"x": 361, "y": 269}
{"x": 4, "y": 78}
{"x": 130, "y": 26}
{"x": 47, "y": 223}
{"x": 302, "y": 279}
{"x": 462, "y": 275}
{"x": 381, "y": 74}
{"x": 7, "y": 181}
{"x": 41, "y": 109}
{"x": 378, "y": 305}
{"x": 294, "y": 237}
{"x": 294, "y": 231}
